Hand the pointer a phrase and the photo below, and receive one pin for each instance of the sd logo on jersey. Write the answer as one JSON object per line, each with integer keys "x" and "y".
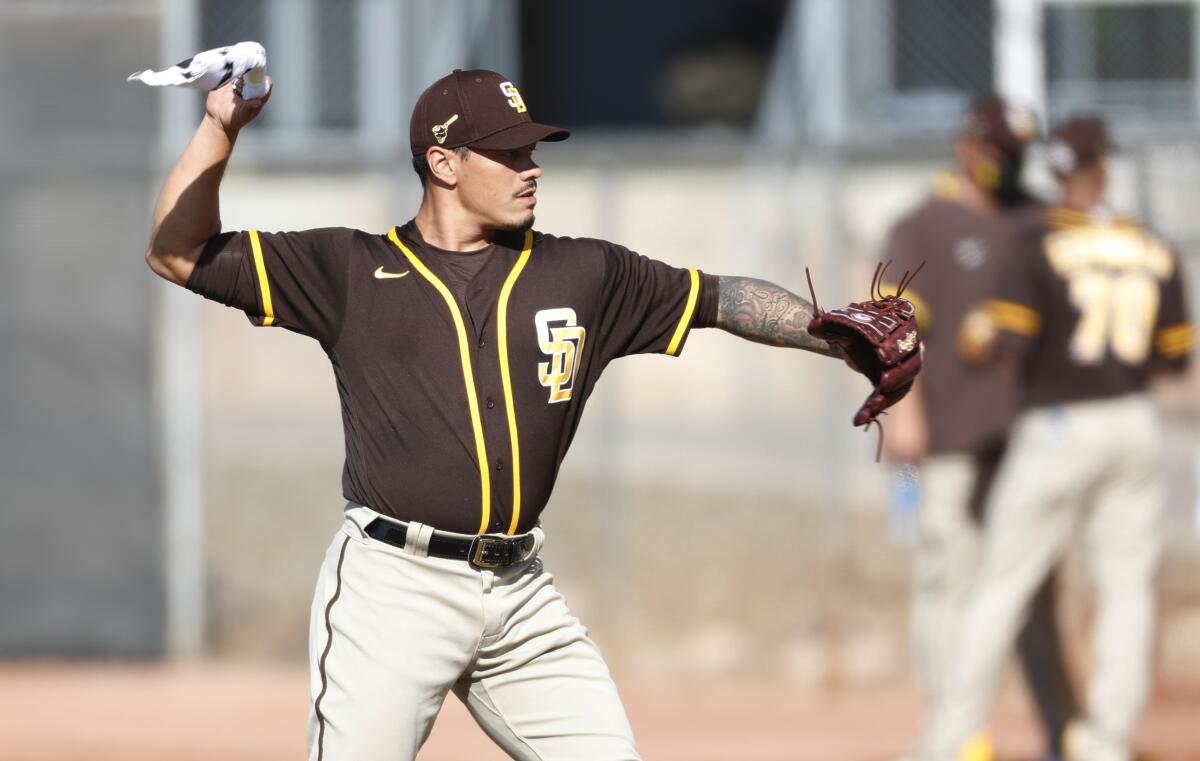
{"x": 563, "y": 341}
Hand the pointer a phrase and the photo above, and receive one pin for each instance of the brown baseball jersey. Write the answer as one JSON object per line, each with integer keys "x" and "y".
{"x": 1093, "y": 306}
{"x": 462, "y": 380}
{"x": 969, "y": 407}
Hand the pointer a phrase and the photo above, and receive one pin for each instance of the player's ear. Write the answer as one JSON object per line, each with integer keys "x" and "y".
{"x": 443, "y": 165}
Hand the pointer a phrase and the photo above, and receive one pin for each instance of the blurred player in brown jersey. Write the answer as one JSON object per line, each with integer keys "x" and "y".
{"x": 954, "y": 424}
{"x": 1084, "y": 318}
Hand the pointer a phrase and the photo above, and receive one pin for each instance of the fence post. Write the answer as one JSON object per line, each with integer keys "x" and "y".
{"x": 178, "y": 380}
{"x": 1020, "y": 62}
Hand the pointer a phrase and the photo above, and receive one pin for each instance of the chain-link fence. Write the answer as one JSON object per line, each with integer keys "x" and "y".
{"x": 883, "y": 70}
{"x": 863, "y": 71}
{"x": 313, "y": 41}
{"x": 915, "y": 63}
{"x": 349, "y": 69}
{"x": 1135, "y": 63}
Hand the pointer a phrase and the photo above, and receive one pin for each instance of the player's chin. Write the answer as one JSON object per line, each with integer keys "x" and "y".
{"x": 519, "y": 223}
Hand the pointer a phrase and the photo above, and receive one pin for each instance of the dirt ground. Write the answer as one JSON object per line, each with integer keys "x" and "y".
{"x": 106, "y": 712}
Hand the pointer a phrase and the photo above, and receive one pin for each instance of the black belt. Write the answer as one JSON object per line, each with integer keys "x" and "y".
{"x": 484, "y": 551}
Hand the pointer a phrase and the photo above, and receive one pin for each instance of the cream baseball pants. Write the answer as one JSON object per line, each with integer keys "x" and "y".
{"x": 954, "y": 490}
{"x": 1090, "y": 467}
{"x": 394, "y": 630}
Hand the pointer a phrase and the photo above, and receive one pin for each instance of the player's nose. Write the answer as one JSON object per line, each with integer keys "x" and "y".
{"x": 531, "y": 172}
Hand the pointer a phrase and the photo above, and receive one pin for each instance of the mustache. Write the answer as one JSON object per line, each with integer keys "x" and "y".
{"x": 531, "y": 185}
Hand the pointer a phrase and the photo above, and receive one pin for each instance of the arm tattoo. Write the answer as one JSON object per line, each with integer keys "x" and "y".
{"x": 767, "y": 314}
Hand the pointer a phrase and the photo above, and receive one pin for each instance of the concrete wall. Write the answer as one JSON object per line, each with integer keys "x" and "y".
{"x": 80, "y": 526}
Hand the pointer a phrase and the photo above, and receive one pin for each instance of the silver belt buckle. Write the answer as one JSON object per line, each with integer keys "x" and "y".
{"x": 492, "y": 552}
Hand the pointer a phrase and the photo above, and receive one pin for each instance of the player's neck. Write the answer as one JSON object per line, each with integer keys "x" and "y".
{"x": 450, "y": 227}
{"x": 976, "y": 198}
{"x": 1081, "y": 197}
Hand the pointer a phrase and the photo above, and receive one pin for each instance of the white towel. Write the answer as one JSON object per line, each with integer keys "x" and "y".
{"x": 213, "y": 68}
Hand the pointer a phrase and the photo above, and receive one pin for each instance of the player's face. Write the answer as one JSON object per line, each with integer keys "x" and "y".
{"x": 500, "y": 187}
{"x": 1092, "y": 178}
{"x": 980, "y": 162}
{"x": 990, "y": 169}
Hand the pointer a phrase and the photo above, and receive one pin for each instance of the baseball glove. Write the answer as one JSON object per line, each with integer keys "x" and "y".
{"x": 879, "y": 339}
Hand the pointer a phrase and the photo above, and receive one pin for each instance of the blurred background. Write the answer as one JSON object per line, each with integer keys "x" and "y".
{"x": 170, "y": 477}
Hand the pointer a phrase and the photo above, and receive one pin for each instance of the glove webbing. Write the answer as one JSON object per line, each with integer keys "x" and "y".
{"x": 882, "y": 302}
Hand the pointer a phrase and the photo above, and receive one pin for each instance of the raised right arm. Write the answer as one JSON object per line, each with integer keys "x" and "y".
{"x": 188, "y": 210}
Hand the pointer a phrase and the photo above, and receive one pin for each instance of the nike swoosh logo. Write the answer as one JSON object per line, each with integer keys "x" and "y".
{"x": 381, "y": 275}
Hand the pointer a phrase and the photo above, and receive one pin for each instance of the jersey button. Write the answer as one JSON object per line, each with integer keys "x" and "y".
{"x": 482, "y": 342}
{"x": 499, "y": 464}
{"x": 491, "y": 403}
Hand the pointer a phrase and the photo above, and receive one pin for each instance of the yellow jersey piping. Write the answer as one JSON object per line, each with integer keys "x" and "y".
{"x": 1015, "y": 318}
{"x": 686, "y": 320}
{"x": 264, "y": 287}
{"x": 506, "y": 378}
{"x": 1175, "y": 341}
{"x": 468, "y": 379}
{"x": 1065, "y": 217}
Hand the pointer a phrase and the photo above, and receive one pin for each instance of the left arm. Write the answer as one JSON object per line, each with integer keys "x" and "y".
{"x": 763, "y": 312}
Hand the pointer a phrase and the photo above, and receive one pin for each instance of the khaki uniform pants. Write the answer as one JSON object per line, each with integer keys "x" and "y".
{"x": 954, "y": 488}
{"x": 1092, "y": 466}
{"x": 394, "y": 630}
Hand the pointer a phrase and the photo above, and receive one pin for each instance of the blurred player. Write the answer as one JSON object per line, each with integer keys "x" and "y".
{"x": 955, "y": 422}
{"x": 1084, "y": 318}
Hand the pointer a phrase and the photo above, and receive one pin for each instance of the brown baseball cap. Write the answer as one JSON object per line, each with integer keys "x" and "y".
{"x": 1008, "y": 127}
{"x": 1078, "y": 143}
{"x": 479, "y": 108}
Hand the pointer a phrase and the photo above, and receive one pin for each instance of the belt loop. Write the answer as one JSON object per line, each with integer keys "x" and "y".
{"x": 359, "y": 516}
{"x": 417, "y": 539}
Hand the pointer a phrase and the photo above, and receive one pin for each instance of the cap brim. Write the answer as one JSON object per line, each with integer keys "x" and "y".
{"x": 519, "y": 136}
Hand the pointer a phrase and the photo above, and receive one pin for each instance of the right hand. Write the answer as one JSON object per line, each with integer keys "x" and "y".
{"x": 905, "y": 444}
{"x": 228, "y": 111}
{"x": 907, "y": 438}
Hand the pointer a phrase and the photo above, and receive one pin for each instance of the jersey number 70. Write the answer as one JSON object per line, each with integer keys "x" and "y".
{"x": 1117, "y": 312}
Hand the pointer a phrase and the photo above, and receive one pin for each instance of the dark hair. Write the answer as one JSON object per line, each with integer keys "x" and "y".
{"x": 420, "y": 163}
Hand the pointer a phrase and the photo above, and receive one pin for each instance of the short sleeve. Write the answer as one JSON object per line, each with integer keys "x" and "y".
{"x": 1174, "y": 334}
{"x": 1019, "y": 298}
{"x": 651, "y": 307}
{"x": 295, "y": 280}
{"x": 1012, "y": 315}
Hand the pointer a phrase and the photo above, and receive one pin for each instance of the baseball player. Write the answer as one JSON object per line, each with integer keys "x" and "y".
{"x": 464, "y": 345}
{"x": 1084, "y": 319}
{"x": 955, "y": 423}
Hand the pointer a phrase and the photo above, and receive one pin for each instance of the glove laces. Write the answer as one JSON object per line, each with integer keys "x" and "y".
{"x": 889, "y": 303}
